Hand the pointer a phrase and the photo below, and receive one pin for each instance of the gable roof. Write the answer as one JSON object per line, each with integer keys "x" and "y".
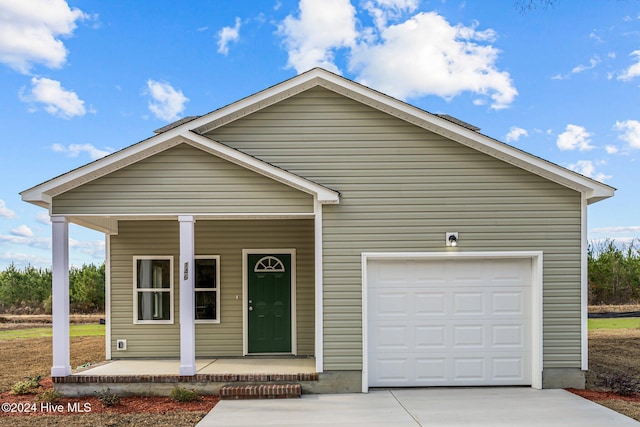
{"x": 42, "y": 194}
{"x": 190, "y": 130}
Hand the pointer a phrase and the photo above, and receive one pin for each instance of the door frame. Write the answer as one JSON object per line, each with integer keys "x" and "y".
{"x": 536, "y": 298}
{"x": 245, "y": 297}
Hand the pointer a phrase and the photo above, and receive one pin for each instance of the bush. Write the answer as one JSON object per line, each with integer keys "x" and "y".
{"x": 181, "y": 394}
{"x": 107, "y": 398}
{"x": 50, "y": 396}
{"x": 26, "y": 386}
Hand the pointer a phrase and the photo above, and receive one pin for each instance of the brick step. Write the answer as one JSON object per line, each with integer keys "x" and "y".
{"x": 260, "y": 391}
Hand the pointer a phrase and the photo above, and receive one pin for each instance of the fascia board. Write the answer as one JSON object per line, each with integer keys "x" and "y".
{"x": 42, "y": 194}
{"x": 594, "y": 190}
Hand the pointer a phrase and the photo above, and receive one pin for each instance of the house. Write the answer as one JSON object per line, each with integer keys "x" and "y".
{"x": 320, "y": 218}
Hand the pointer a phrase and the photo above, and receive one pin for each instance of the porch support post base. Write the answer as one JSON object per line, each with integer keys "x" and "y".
{"x": 60, "y": 297}
{"x": 187, "y": 296}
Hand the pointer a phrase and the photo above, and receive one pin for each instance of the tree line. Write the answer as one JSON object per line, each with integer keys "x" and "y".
{"x": 613, "y": 269}
{"x": 28, "y": 290}
{"x": 614, "y": 272}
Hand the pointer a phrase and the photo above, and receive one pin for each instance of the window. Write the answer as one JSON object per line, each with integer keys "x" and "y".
{"x": 153, "y": 289}
{"x": 207, "y": 298}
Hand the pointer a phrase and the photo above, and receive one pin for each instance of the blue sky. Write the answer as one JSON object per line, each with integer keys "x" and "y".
{"x": 81, "y": 79}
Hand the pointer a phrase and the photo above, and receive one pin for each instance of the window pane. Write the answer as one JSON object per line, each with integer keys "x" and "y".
{"x": 153, "y": 273}
{"x": 154, "y": 306}
{"x": 205, "y": 273}
{"x": 206, "y": 305}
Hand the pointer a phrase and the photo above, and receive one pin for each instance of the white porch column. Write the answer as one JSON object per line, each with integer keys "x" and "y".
{"x": 187, "y": 296}
{"x": 60, "y": 297}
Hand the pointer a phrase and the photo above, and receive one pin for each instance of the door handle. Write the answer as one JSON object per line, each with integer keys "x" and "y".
{"x": 250, "y": 308}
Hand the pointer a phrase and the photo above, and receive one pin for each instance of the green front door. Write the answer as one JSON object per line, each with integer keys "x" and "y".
{"x": 269, "y": 294}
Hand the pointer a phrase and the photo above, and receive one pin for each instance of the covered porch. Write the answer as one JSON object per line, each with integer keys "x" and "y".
{"x": 164, "y": 205}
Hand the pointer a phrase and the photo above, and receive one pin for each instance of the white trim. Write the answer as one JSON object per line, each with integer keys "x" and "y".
{"x": 187, "y": 296}
{"x": 107, "y": 296}
{"x": 245, "y": 296}
{"x": 536, "y": 299}
{"x": 61, "y": 366}
{"x": 41, "y": 194}
{"x": 135, "y": 290}
{"x": 584, "y": 287}
{"x": 360, "y": 93}
{"x": 217, "y": 290}
{"x": 319, "y": 291}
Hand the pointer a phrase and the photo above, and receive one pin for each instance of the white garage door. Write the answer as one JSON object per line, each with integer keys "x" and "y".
{"x": 463, "y": 322}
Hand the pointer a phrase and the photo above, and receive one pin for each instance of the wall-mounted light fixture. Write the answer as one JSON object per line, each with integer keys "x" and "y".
{"x": 451, "y": 238}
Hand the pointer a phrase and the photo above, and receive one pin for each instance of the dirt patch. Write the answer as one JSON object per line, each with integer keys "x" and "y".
{"x": 614, "y": 308}
{"x": 26, "y": 321}
{"x": 21, "y": 358}
{"x": 613, "y": 356}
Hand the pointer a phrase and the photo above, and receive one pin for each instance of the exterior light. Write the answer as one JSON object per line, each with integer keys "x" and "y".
{"x": 451, "y": 238}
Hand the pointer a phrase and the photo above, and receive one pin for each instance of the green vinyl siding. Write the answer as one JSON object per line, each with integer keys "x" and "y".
{"x": 182, "y": 179}
{"x": 402, "y": 188}
{"x": 224, "y": 238}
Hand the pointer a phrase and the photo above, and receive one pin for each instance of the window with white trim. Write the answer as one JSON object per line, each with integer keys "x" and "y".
{"x": 207, "y": 289}
{"x": 153, "y": 289}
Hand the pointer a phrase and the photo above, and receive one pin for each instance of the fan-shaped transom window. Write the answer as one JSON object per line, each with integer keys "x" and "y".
{"x": 269, "y": 264}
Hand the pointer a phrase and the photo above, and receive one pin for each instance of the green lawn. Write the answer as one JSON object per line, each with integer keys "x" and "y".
{"x": 75, "y": 331}
{"x": 619, "y": 323}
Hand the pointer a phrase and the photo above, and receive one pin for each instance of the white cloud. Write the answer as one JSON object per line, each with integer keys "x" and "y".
{"x": 515, "y": 133}
{"x": 74, "y": 150}
{"x": 383, "y": 10}
{"x": 36, "y": 242}
{"x": 228, "y": 35}
{"x": 30, "y": 32}
{"x": 630, "y": 132}
{"x": 320, "y": 28}
{"x": 633, "y": 70}
{"x": 586, "y": 168}
{"x": 5, "y": 212}
{"x": 166, "y": 102}
{"x": 95, "y": 248}
{"x": 593, "y": 62}
{"x": 611, "y": 149}
{"x": 43, "y": 218}
{"x": 426, "y": 55}
{"x": 574, "y": 138}
{"x": 22, "y": 231}
{"x": 57, "y": 100}
{"x": 25, "y": 259}
{"x": 618, "y": 229}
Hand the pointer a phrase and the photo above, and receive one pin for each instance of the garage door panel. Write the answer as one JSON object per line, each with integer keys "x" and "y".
{"x": 393, "y": 338}
{"x": 465, "y": 302}
{"x": 508, "y": 336}
{"x": 468, "y": 337}
{"x": 430, "y": 337}
{"x": 449, "y": 323}
{"x": 430, "y": 303}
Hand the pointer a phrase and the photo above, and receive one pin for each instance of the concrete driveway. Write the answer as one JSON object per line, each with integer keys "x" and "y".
{"x": 440, "y": 407}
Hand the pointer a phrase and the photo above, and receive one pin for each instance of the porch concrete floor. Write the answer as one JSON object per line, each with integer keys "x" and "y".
{"x": 204, "y": 366}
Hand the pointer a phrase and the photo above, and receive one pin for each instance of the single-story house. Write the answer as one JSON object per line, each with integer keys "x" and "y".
{"x": 320, "y": 218}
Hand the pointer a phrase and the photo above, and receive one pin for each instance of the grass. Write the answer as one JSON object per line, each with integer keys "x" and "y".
{"x": 615, "y": 323}
{"x": 74, "y": 331}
